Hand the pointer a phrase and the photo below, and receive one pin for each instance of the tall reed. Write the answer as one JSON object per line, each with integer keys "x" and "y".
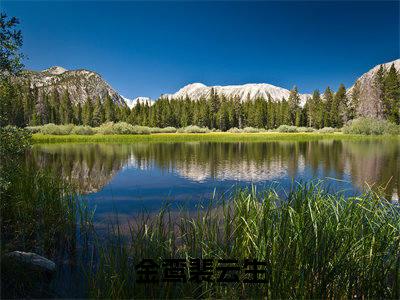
{"x": 315, "y": 245}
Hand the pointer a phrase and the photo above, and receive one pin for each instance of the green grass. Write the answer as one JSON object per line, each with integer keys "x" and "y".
{"x": 199, "y": 137}
{"x": 316, "y": 245}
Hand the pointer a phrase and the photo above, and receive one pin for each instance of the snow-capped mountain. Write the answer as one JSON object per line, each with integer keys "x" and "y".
{"x": 250, "y": 91}
{"x": 132, "y": 102}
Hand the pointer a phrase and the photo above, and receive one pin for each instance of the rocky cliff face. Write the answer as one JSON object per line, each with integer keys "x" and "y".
{"x": 369, "y": 104}
{"x": 80, "y": 84}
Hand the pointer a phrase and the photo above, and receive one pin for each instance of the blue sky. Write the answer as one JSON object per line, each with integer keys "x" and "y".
{"x": 149, "y": 48}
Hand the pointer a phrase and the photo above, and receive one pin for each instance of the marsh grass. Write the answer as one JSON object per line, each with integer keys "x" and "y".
{"x": 202, "y": 137}
{"x": 315, "y": 244}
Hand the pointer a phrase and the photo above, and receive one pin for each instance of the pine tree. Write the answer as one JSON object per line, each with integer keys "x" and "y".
{"x": 109, "y": 109}
{"x": 66, "y": 111}
{"x": 391, "y": 98}
{"x": 337, "y": 111}
{"x": 294, "y": 106}
{"x": 327, "y": 105}
{"x": 98, "y": 113}
{"x": 354, "y": 101}
{"x": 87, "y": 113}
{"x": 379, "y": 85}
{"x": 78, "y": 114}
{"x": 54, "y": 101}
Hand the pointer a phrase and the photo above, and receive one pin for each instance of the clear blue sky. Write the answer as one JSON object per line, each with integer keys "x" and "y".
{"x": 145, "y": 49}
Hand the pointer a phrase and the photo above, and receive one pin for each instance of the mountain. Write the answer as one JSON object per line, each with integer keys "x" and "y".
{"x": 132, "y": 102}
{"x": 251, "y": 91}
{"x": 368, "y": 103}
{"x": 80, "y": 84}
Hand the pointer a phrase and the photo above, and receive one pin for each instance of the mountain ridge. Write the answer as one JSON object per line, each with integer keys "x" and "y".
{"x": 248, "y": 91}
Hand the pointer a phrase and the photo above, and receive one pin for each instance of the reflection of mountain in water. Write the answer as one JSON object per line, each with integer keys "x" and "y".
{"x": 93, "y": 166}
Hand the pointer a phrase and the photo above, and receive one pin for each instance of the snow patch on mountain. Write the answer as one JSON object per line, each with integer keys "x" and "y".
{"x": 244, "y": 92}
{"x": 55, "y": 70}
{"x": 133, "y": 102}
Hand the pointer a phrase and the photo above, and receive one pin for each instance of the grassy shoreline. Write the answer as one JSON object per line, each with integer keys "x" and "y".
{"x": 202, "y": 137}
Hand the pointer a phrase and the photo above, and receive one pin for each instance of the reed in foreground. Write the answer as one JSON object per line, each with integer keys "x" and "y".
{"x": 313, "y": 244}
{"x": 38, "y": 214}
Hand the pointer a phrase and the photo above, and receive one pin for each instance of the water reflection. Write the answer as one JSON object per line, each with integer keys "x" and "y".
{"x": 132, "y": 170}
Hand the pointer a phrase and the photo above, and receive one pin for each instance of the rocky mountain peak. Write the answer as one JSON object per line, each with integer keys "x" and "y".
{"x": 55, "y": 70}
{"x": 369, "y": 104}
{"x": 81, "y": 84}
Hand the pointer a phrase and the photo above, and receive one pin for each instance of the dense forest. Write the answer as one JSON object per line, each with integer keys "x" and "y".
{"x": 22, "y": 106}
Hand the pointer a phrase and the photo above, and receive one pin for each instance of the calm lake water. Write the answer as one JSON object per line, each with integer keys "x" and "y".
{"x": 131, "y": 177}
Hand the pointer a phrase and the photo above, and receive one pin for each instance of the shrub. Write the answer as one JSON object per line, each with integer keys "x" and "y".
{"x": 122, "y": 128}
{"x": 253, "y": 130}
{"x": 140, "y": 130}
{"x": 163, "y": 130}
{"x": 235, "y": 130}
{"x": 33, "y": 129}
{"x": 105, "y": 128}
{"x": 370, "y": 126}
{"x": 83, "y": 130}
{"x": 13, "y": 141}
{"x": 287, "y": 128}
{"x": 56, "y": 129}
{"x": 193, "y": 129}
{"x": 327, "y": 130}
{"x": 305, "y": 129}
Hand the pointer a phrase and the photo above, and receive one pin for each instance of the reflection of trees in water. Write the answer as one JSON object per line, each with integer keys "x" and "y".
{"x": 88, "y": 166}
{"x": 375, "y": 163}
{"x": 92, "y": 166}
{"x": 233, "y": 161}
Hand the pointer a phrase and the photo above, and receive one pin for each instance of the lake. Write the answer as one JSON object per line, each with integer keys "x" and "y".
{"x": 130, "y": 178}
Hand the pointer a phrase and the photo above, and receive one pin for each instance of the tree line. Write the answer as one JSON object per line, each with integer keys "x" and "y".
{"x": 22, "y": 105}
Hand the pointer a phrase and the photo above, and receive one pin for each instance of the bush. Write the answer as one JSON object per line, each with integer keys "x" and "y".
{"x": 13, "y": 141}
{"x": 140, "y": 130}
{"x": 122, "y": 128}
{"x": 287, "y": 128}
{"x": 305, "y": 129}
{"x": 163, "y": 130}
{"x": 193, "y": 129}
{"x": 253, "y": 130}
{"x": 33, "y": 129}
{"x": 327, "y": 130}
{"x": 83, "y": 130}
{"x": 235, "y": 130}
{"x": 370, "y": 126}
{"x": 56, "y": 129}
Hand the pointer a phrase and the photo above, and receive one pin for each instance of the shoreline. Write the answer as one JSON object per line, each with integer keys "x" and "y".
{"x": 39, "y": 138}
